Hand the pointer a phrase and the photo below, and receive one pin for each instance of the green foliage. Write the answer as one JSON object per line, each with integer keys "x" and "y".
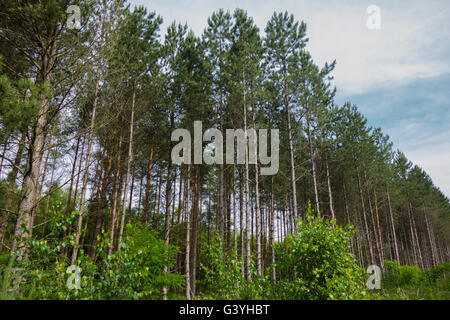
{"x": 8, "y": 288}
{"x": 19, "y": 101}
{"x": 438, "y": 272}
{"x": 222, "y": 272}
{"x": 313, "y": 264}
{"x": 396, "y": 275}
{"x": 410, "y": 282}
{"x": 133, "y": 272}
{"x": 223, "y": 276}
{"x": 316, "y": 262}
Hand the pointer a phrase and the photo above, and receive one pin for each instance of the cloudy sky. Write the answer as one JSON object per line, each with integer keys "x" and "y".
{"x": 399, "y": 75}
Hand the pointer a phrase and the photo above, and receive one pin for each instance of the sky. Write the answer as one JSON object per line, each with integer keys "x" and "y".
{"x": 397, "y": 75}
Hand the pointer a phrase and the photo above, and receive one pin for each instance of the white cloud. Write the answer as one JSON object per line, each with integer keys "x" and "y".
{"x": 371, "y": 59}
{"x": 408, "y": 46}
{"x": 435, "y": 164}
{"x": 429, "y": 150}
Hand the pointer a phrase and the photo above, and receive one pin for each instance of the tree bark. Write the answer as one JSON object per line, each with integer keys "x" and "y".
{"x": 188, "y": 234}
{"x": 313, "y": 163}
{"x": 86, "y": 174}
{"x": 129, "y": 160}
{"x": 393, "y": 226}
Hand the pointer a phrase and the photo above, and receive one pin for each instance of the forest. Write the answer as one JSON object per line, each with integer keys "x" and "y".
{"x": 92, "y": 205}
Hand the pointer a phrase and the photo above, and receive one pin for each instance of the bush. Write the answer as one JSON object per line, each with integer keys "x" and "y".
{"x": 437, "y": 273}
{"x": 223, "y": 276}
{"x": 410, "y": 282}
{"x": 316, "y": 263}
{"x": 133, "y": 272}
{"x": 396, "y": 275}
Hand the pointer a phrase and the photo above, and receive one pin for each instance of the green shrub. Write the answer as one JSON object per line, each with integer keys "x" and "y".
{"x": 133, "y": 272}
{"x": 224, "y": 278}
{"x": 437, "y": 273}
{"x": 410, "y": 282}
{"x": 316, "y": 263}
{"x": 396, "y": 275}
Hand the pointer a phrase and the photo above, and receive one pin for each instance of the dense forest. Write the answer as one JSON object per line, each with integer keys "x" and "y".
{"x": 87, "y": 179}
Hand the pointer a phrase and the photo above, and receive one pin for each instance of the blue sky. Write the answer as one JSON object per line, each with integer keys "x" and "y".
{"x": 399, "y": 76}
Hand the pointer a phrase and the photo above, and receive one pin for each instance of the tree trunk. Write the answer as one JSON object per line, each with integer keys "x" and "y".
{"x": 271, "y": 234}
{"x": 129, "y": 160}
{"x": 167, "y": 213}
{"x": 188, "y": 234}
{"x": 147, "y": 186}
{"x": 393, "y": 227}
{"x": 86, "y": 174}
{"x": 12, "y": 177}
{"x": 35, "y": 153}
{"x": 330, "y": 194}
{"x": 379, "y": 227}
{"x": 313, "y": 163}
{"x": 291, "y": 146}
{"x": 116, "y": 198}
{"x": 366, "y": 227}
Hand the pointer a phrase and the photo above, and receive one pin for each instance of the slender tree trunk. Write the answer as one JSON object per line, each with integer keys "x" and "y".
{"x": 434, "y": 256}
{"x": 258, "y": 208}
{"x": 291, "y": 145}
{"x": 377, "y": 245}
{"x": 413, "y": 240}
{"x": 366, "y": 227}
{"x": 393, "y": 226}
{"x": 102, "y": 198}
{"x": 69, "y": 196}
{"x": 379, "y": 227}
{"x": 3, "y": 155}
{"x": 415, "y": 237}
{"x": 179, "y": 215}
{"x": 194, "y": 235}
{"x": 116, "y": 197}
{"x": 313, "y": 162}
{"x": 130, "y": 201}
{"x": 330, "y": 194}
{"x": 147, "y": 186}
{"x": 156, "y": 214}
{"x": 271, "y": 234}
{"x": 46, "y": 212}
{"x": 347, "y": 214}
{"x": 129, "y": 160}
{"x": 247, "y": 188}
{"x": 241, "y": 217}
{"x": 188, "y": 234}
{"x": 35, "y": 211}
{"x": 167, "y": 213}
{"x": 12, "y": 177}
{"x": 74, "y": 202}
{"x": 234, "y": 213}
{"x": 86, "y": 174}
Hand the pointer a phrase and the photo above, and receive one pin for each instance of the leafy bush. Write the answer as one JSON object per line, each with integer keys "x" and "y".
{"x": 223, "y": 275}
{"x": 396, "y": 275}
{"x": 313, "y": 264}
{"x": 437, "y": 273}
{"x": 224, "y": 278}
{"x": 316, "y": 263}
{"x": 133, "y": 272}
{"x": 410, "y": 282}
